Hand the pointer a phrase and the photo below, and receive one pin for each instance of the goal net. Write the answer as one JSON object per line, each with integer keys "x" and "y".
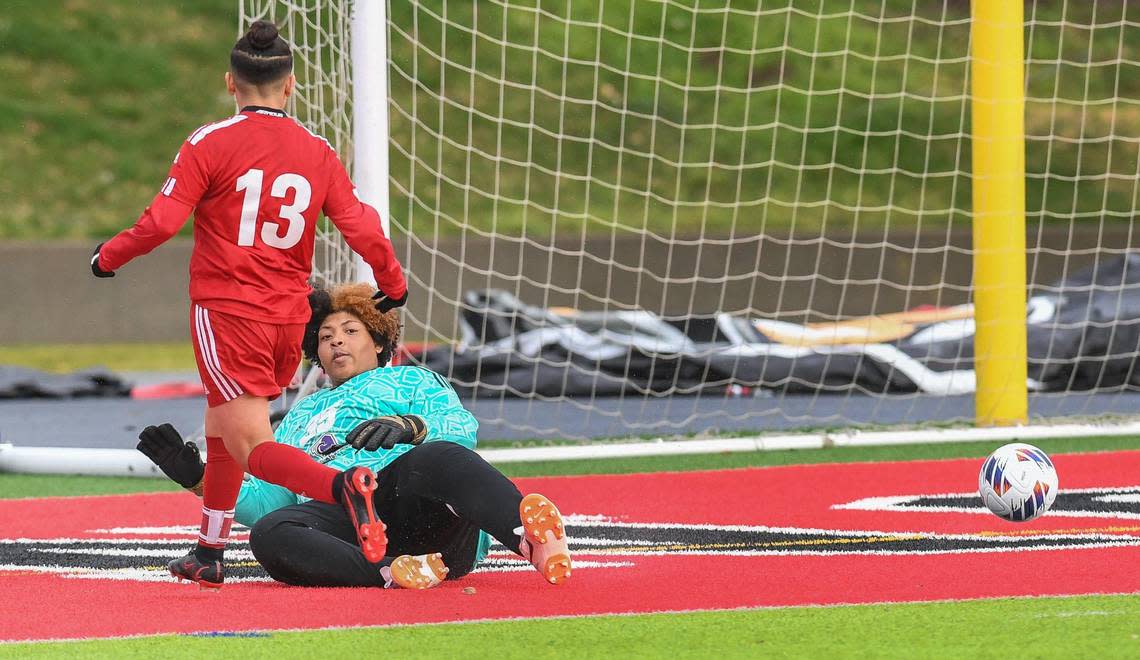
{"x": 670, "y": 216}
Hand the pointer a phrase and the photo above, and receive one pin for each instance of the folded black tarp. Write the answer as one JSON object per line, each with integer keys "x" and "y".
{"x": 1083, "y": 333}
{"x": 23, "y": 383}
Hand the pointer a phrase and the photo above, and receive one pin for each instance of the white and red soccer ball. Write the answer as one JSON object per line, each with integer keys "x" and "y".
{"x": 1018, "y": 482}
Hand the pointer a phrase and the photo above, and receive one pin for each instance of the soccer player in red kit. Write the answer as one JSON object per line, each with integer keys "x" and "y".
{"x": 256, "y": 183}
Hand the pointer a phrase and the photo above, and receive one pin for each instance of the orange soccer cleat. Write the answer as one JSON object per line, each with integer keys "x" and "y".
{"x": 544, "y": 538}
{"x": 418, "y": 571}
{"x": 356, "y": 497}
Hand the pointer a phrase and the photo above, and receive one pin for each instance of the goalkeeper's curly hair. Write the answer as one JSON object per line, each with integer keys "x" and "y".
{"x": 356, "y": 299}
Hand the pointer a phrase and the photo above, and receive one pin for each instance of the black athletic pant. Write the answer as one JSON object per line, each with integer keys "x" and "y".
{"x": 313, "y": 544}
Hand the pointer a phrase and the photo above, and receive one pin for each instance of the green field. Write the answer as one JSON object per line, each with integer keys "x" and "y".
{"x": 1083, "y": 627}
{"x": 65, "y": 358}
{"x": 95, "y": 98}
{"x": 1087, "y": 626}
{"x": 819, "y": 106}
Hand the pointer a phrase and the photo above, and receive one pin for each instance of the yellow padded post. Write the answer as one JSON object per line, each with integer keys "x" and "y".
{"x": 998, "y": 109}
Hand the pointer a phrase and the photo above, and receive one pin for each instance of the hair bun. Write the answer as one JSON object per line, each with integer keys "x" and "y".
{"x": 262, "y": 35}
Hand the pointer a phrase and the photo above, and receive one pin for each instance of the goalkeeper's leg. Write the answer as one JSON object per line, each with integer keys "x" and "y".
{"x": 457, "y": 478}
{"x": 313, "y": 545}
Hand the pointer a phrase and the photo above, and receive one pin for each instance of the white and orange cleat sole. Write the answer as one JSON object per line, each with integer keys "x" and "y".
{"x": 418, "y": 571}
{"x": 544, "y": 538}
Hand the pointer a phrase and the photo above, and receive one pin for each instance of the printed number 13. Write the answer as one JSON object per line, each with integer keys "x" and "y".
{"x": 250, "y": 182}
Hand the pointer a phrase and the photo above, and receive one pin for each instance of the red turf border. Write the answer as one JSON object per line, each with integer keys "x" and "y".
{"x": 40, "y": 606}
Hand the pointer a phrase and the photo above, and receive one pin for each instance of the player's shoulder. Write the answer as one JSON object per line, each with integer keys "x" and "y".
{"x": 200, "y": 134}
{"x": 314, "y": 136}
{"x": 233, "y": 127}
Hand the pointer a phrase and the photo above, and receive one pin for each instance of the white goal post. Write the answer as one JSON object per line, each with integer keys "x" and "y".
{"x": 692, "y": 216}
{"x": 370, "y": 110}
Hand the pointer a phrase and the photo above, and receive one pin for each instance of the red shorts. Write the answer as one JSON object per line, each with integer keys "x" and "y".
{"x": 238, "y": 356}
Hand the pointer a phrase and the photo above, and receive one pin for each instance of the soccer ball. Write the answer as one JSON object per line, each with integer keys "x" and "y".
{"x": 1018, "y": 482}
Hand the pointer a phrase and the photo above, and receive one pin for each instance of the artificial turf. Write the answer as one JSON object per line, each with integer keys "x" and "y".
{"x": 1071, "y": 627}
{"x": 1087, "y": 626}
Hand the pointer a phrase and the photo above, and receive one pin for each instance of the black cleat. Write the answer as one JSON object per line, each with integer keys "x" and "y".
{"x": 356, "y": 498}
{"x": 208, "y": 574}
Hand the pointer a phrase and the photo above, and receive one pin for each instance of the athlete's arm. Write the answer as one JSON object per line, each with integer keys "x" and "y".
{"x": 360, "y": 225}
{"x": 166, "y": 214}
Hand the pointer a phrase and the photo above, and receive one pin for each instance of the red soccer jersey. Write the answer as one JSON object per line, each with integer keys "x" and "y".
{"x": 256, "y": 183}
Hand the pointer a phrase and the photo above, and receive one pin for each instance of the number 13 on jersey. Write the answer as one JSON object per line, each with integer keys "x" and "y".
{"x": 250, "y": 182}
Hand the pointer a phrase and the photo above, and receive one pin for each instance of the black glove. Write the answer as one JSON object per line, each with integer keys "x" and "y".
{"x": 177, "y": 458}
{"x": 95, "y": 269}
{"x": 386, "y": 303}
{"x": 386, "y": 432}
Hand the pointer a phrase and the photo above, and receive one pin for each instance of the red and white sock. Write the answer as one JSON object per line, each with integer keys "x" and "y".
{"x": 219, "y": 494}
{"x": 215, "y": 530}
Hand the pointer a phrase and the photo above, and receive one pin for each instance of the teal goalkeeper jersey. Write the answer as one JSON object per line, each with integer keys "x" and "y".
{"x": 319, "y": 423}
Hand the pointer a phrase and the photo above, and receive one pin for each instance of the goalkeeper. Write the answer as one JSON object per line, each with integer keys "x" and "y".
{"x": 439, "y": 499}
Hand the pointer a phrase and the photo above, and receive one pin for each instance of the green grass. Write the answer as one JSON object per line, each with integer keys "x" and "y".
{"x": 1088, "y": 627}
{"x": 96, "y": 97}
{"x": 39, "y": 485}
{"x": 819, "y": 106}
{"x": 63, "y": 358}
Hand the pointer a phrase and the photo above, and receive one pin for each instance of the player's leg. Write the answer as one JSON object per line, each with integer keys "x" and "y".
{"x": 469, "y": 486}
{"x": 222, "y": 481}
{"x": 243, "y": 364}
{"x": 223, "y": 475}
{"x": 244, "y": 424}
{"x": 314, "y": 544}
{"x": 418, "y": 526}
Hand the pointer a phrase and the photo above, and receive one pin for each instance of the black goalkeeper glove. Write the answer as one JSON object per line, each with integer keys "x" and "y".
{"x": 177, "y": 458}
{"x": 386, "y": 432}
{"x": 95, "y": 269}
{"x": 386, "y": 303}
